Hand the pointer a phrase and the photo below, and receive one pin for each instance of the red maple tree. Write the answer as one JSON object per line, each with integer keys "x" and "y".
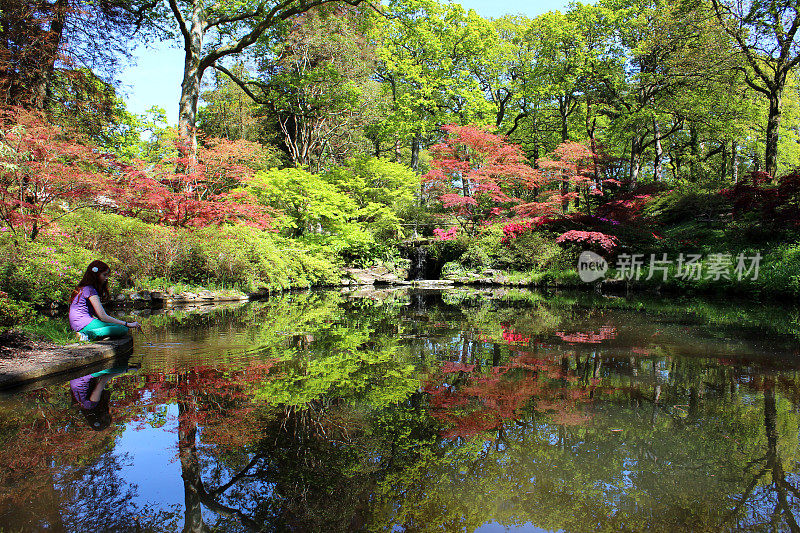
{"x": 46, "y": 173}
{"x": 570, "y": 171}
{"x": 189, "y": 192}
{"x": 477, "y": 175}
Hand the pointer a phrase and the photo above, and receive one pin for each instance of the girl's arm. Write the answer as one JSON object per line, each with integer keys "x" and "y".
{"x": 105, "y": 317}
{"x": 97, "y": 392}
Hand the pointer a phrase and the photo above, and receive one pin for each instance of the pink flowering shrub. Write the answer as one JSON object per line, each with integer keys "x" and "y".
{"x": 514, "y": 230}
{"x": 589, "y": 238}
{"x": 445, "y": 235}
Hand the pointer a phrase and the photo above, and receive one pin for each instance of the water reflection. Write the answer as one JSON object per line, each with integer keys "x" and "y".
{"x": 429, "y": 411}
{"x": 92, "y": 398}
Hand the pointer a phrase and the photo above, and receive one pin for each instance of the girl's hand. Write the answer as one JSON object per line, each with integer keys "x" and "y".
{"x": 134, "y": 325}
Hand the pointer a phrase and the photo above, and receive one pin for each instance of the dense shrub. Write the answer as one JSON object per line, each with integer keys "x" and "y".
{"x": 41, "y": 271}
{"x": 134, "y": 249}
{"x": 148, "y": 256}
{"x": 529, "y": 249}
{"x": 768, "y": 205}
{"x": 676, "y": 206}
{"x": 13, "y": 313}
{"x": 780, "y": 270}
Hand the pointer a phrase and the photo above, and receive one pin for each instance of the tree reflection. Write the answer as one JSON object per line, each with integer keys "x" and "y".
{"x": 62, "y": 475}
{"x": 378, "y": 416}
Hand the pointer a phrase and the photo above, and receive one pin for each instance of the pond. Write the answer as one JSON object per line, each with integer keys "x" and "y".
{"x": 407, "y": 410}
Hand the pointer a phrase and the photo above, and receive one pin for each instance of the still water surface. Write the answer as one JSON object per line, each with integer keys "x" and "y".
{"x": 399, "y": 410}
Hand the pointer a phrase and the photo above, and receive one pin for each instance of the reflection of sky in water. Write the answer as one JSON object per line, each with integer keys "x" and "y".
{"x": 153, "y": 467}
{"x": 655, "y": 402}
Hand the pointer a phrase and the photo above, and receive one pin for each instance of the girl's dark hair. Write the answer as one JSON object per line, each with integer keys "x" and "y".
{"x": 99, "y": 417}
{"x": 91, "y": 278}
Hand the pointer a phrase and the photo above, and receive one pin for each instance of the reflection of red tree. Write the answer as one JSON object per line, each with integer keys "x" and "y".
{"x": 589, "y": 337}
{"x": 222, "y": 399}
{"x": 475, "y": 402}
{"x": 512, "y": 336}
{"x": 49, "y": 438}
{"x": 449, "y": 367}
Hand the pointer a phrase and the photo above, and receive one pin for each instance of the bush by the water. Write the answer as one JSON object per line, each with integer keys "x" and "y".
{"x": 142, "y": 255}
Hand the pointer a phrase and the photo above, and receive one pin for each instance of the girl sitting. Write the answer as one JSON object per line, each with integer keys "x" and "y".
{"x": 86, "y": 313}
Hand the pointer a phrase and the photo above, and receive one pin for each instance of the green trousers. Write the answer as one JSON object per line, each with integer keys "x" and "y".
{"x": 97, "y": 329}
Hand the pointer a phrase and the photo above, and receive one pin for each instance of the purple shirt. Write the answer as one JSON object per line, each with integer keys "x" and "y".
{"x": 82, "y": 389}
{"x": 81, "y": 311}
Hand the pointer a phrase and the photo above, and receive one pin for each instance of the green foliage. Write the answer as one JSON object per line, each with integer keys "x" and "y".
{"x": 134, "y": 249}
{"x": 248, "y": 259}
{"x": 229, "y": 112}
{"x": 780, "y": 270}
{"x": 384, "y": 192}
{"x": 683, "y": 205}
{"x": 352, "y": 212}
{"x": 55, "y": 330}
{"x": 317, "y": 85}
{"x": 13, "y": 313}
{"x": 41, "y": 271}
{"x": 309, "y": 203}
{"x": 531, "y": 250}
{"x": 146, "y": 137}
{"x": 343, "y": 375}
{"x": 142, "y": 255}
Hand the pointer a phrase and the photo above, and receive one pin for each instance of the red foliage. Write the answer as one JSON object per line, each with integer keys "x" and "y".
{"x": 589, "y": 337}
{"x": 450, "y": 367}
{"x": 445, "y": 235}
{"x": 475, "y": 174}
{"x": 570, "y": 171}
{"x": 589, "y": 238}
{"x": 515, "y": 229}
{"x": 43, "y": 167}
{"x": 513, "y": 337}
{"x": 469, "y": 401}
{"x": 625, "y": 209}
{"x": 772, "y": 204}
{"x": 198, "y": 193}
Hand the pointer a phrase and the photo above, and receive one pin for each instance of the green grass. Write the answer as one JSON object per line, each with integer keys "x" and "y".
{"x": 56, "y": 331}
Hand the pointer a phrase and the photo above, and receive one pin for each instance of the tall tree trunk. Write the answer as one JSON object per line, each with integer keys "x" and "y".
{"x": 773, "y": 127}
{"x": 563, "y": 111}
{"x": 723, "y": 168}
{"x": 659, "y": 152}
{"x": 190, "y": 87}
{"x": 190, "y": 465}
{"x": 41, "y": 78}
{"x": 635, "y": 161}
{"x": 694, "y": 148}
{"x": 564, "y": 193}
{"x": 735, "y": 162}
{"x": 416, "y": 145}
{"x": 591, "y": 123}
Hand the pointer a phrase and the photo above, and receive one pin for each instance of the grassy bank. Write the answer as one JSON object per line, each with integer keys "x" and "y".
{"x": 142, "y": 256}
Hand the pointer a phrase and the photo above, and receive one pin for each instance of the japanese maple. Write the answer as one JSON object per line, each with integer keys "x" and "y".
{"x": 476, "y": 175}
{"x": 46, "y": 173}
{"x": 570, "y": 171}
{"x": 200, "y": 192}
{"x": 589, "y": 239}
{"x": 445, "y": 235}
